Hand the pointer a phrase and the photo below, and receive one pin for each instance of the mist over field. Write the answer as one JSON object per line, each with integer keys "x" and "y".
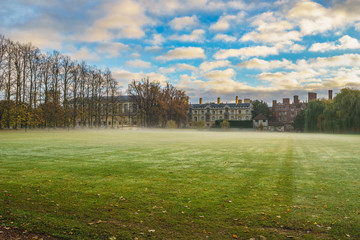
{"x": 186, "y": 184}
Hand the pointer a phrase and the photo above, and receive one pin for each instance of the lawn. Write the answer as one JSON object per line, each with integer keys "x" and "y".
{"x": 103, "y": 184}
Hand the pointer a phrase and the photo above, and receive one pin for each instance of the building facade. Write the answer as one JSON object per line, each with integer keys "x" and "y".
{"x": 125, "y": 113}
{"x": 285, "y": 112}
{"x": 210, "y": 112}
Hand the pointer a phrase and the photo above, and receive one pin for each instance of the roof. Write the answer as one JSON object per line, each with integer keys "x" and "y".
{"x": 221, "y": 105}
{"x": 260, "y": 117}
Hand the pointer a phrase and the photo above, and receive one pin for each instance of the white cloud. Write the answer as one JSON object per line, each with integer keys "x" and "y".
{"x": 196, "y": 36}
{"x": 314, "y": 18}
{"x": 171, "y": 7}
{"x": 84, "y": 54}
{"x": 272, "y": 37}
{"x": 224, "y": 21}
{"x": 111, "y": 49}
{"x": 157, "y": 40}
{"x": 124, "y": 77}
{"x": 257, "y": 63}
{"x": 180, "y": 23}
{"x": 271, "y": 28}
{"x": 153, "y": 48}
{"x": 138, "y": 63}
{"x": 207, "y": 66}
{"x": 297, "y": 48}
{"x": 246, "y": 52}
{"x": 123, "y": 19}
{"x": 39, "y": 37}
{"x": 357, "y": 26}
{"x": 183, "y": 53}
{"x": 164, "y": 70}
{"x": 185, "y": 66}
{"x": 345, "y": 60}
{"x": 224, "y": 37}
{"x": 345, "y": 42}
{"x": 221, "y": 74}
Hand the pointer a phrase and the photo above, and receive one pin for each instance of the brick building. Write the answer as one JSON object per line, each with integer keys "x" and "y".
{"x": 285, "y": 112}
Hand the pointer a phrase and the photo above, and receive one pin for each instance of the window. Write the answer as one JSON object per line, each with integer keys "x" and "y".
{"x": 220, "y": 117}
{"x": 232, "y": 111}
{"x": 195, "y": 112}
{"x": 247, "y": 111}
{"x": 239, "y": 118}
{"x": 247, "y": 118}
{"x": 220, "y": 112}
{"x": 202, "y": 118}
{"x": 232, "y": 117}
{"x": 202, "y": 112}
{"x": 213, "y": 118}
{"x": 195, "y": 119}
{"x": 213, "y": 112}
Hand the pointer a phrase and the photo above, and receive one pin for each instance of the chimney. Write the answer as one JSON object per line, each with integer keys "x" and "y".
{"x": 240, "y": 100}
{"x": 330, "y": 94}
{"x": 274, "y": 102}
{"x": 296, "y": 99}
{"x": 236, "y": 100}
{"x": 286, "y": 100}
{"x": 187, "y": 100}
{"x": 247, "y": 100}
{"x": 311, "y": 96}
{"x": 218, "y": 102}
{"x": 200, "y": 101}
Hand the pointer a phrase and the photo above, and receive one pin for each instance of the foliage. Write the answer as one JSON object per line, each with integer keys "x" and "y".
{"x": 51, "y": 90}
{"x": 171, "y": 124}
{"x": 340, "y": 114}
{"x": 299, "y": 123}
{"x": 260, "y": 107}
{"x": 200, "y": 124}
{"x": 314, "y": 115}
{"x": 225, "y": 124}
{"x": 157, "y": 104}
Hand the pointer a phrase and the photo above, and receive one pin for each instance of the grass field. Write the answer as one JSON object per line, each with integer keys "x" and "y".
{"x": 180, "y": 184}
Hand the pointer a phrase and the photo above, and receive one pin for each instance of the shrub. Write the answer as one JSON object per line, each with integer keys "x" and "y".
{"x": 200, "y": 124}
{"x": 225, "y": 124}
{"x": 171, "y": 124}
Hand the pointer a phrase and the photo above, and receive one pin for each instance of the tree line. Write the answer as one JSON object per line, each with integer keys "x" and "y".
{"x": 158, "y": 106}
{"x": 52, "y": 90}
{"x": 342, "y": 114}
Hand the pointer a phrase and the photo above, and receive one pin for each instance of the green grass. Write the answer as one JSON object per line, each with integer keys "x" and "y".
{"x": 182, "y": 184}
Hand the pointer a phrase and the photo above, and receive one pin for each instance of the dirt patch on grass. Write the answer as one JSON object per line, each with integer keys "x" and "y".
{"x": 8, "y": 233}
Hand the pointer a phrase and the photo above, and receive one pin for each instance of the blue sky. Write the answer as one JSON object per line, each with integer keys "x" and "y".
{"x": 251, "y": 49}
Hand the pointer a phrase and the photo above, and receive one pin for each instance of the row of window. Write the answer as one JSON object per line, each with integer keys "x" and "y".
{"x": 202, "y": 118}
{"x": 285, "y": 113}
{"x": 285, "y": 108}
{"x": 221, "y": 112}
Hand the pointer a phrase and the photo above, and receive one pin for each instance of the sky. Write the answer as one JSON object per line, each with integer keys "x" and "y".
{"x": 253, "y": 49}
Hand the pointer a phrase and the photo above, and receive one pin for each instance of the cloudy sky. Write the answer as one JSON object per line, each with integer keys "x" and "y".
{"x": 211, "y": 48}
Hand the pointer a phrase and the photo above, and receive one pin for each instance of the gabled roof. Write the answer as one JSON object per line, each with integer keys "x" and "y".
{"x": 260, "y": 117}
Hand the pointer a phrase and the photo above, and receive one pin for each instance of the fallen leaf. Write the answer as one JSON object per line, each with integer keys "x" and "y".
{"x": 151, "y": 230}
{"x": 235, "y": 236}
